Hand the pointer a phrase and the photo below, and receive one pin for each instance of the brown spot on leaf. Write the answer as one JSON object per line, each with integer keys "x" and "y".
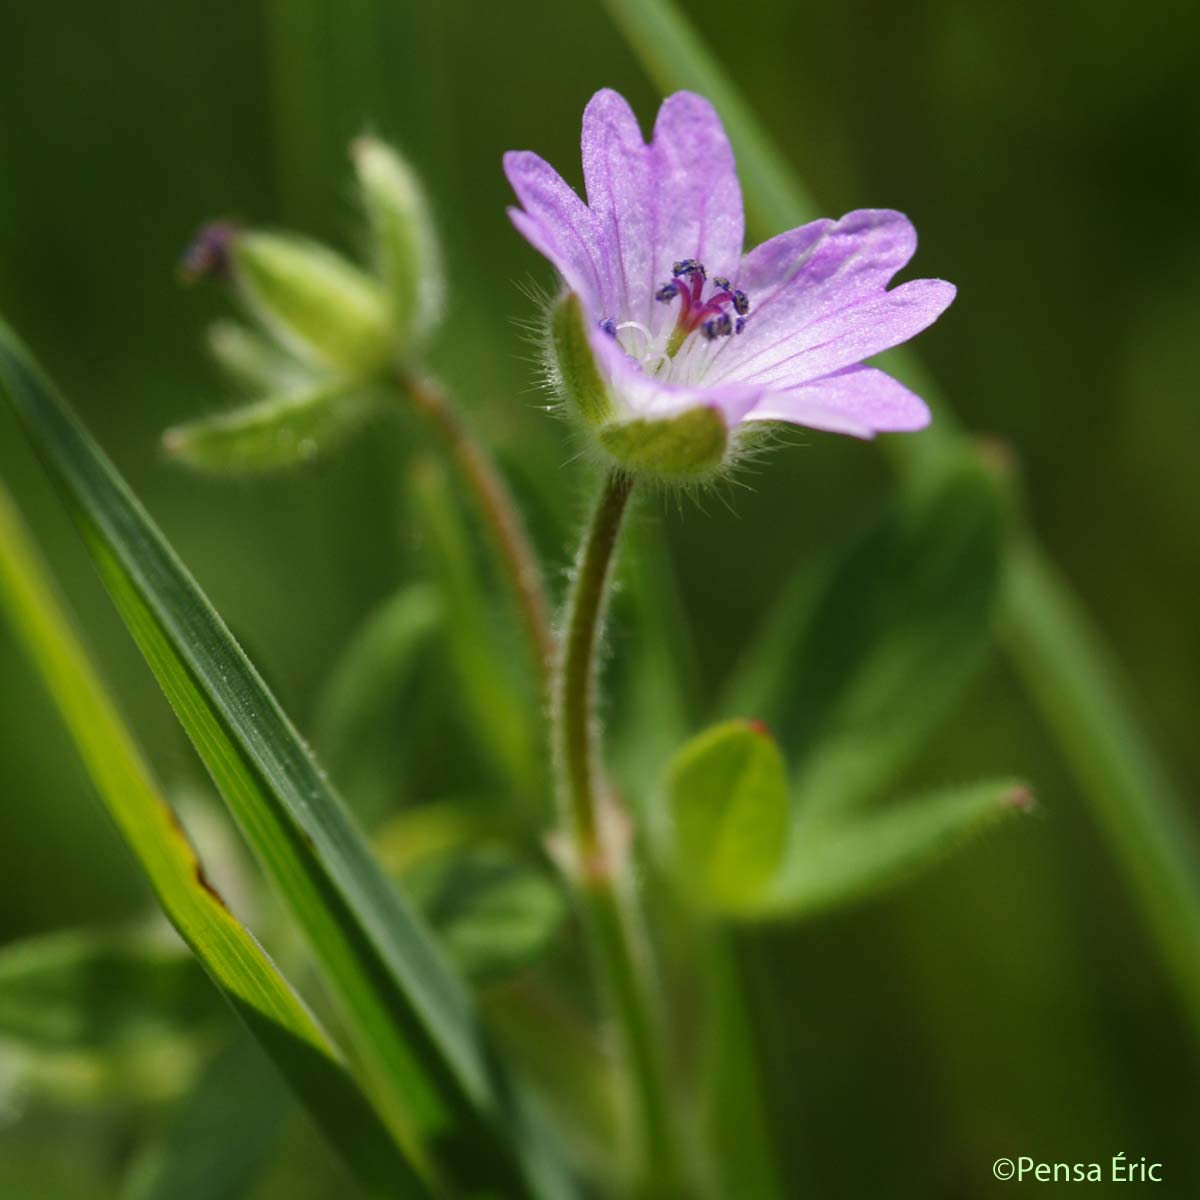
{"x": 203, "y": 880}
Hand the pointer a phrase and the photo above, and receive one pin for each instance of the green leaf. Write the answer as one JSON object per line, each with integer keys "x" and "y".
{"x": 494, "y": 914}
{"x": 94, "y": 990}
{"x": 837, "y": 862}
{"x": 866, "y": 655}
{"x": 219, "y": 1136}
{"x": 502, "y": 710}
{"x": 276, "y": 432}
{"x": 418, "y": 1037}
{"x": 233, "y": 959}
{"x": 360, "y": 720}
{"x": 727, "y": 791}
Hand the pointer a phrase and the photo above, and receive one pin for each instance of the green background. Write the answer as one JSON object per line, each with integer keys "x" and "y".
{"x": 1008, "y": 1003}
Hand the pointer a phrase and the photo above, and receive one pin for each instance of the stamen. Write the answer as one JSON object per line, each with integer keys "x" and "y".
{"x": 709, "y": 316}
{"x": 609, "y": 326}
{"x": 715, "y": 327}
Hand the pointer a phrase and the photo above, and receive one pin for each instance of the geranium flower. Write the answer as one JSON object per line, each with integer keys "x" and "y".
{"x": 678, "y": 318}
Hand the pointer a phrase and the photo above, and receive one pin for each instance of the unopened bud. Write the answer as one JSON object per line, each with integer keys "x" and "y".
{"x": 405, "y": 248}
{"x": 322, "y": 307}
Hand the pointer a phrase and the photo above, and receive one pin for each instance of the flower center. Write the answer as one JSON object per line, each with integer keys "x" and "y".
{"x": 709, "y": 316}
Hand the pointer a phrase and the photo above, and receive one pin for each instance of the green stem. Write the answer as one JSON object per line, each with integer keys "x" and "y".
{"x": 600, "y": 853}
{"x": 501, "y": 517}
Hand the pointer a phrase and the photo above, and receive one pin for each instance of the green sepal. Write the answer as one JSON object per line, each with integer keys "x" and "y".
{"x": 574, "y": 365}
{"x": 406, "y": 255}
{"x": 320, "y": 306}
{"x": 274, "y": 433}
{"x": 727, "y": 791}
{"x": 254, "y": 361}
{"x": 690, "y": 446}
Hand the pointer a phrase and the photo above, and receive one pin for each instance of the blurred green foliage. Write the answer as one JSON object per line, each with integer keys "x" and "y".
{"x": 1007, "y": 1004}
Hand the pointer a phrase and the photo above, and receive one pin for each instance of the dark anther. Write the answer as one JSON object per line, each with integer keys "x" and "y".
{"x": 739, "y": 325}
{"x": 667, "y": 292}
{"x": 719, "y": 281}
{"x": 609, "y": 326}
{"x": 715, "y": 327}
{"x": 689, "y": 266}
{"x": 741, "y": 303}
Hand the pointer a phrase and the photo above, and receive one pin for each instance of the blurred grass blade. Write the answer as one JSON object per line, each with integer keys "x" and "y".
{"x": 1137, "y": 804}
{"x": 231, "y": 956}
{"x": 674, "y": 57}
{"x": 734, "y": 1123}
{"x": 93, "y": 989}
{"x": 501, "y": 707}
{"x": 219, "y": 1136}
{"x": 1071, "y": 674}
{"x": 419, "y": 1041}
{"x": 840, "y": 862}
{"x": 359, "y": 722}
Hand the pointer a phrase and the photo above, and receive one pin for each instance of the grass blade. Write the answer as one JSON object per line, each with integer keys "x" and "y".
{"x": 1137, "y": 798}
{"x": 231, "y": 956}
{"x": 419, "y": 1041}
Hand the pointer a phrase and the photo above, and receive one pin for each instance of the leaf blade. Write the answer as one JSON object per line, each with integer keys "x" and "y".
{"x": 420, "y": 1043}
{"x": 233, "y": 959}
{"x": 832, "y": 863}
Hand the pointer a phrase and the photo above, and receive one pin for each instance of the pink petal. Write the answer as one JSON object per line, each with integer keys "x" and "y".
{"x": 621, "y": 192}
{"x": 699, "y": 198}
{"x": 642, "y": 395}
{"x": 841, "y": 339}
{"x": 814, "y": 271}
{"x": 860, "y": 401}
{"x": 558, "y": 224}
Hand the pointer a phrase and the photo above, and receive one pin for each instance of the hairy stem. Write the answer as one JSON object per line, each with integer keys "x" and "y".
{"x": 501, "y": 518}
{"x": 599, "y": 849}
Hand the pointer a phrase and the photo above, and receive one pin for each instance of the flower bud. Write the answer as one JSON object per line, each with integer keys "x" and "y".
{"x": 319, "y": 305}
{"x": 686, "y": 446}
{"x": 405, "y": 248}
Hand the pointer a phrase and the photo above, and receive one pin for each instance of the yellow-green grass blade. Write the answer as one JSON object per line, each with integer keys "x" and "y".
{"x": 418, "y": 1040}
{"x": 236, "y": 963}
{"x": 1063, "y": 661}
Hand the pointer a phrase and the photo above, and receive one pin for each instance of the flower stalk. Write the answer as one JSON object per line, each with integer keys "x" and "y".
{"x": 597, "y": 847}
{"x": 500, "y": 515}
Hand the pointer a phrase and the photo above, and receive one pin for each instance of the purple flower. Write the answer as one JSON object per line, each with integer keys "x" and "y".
{"x": 679, "y": 318}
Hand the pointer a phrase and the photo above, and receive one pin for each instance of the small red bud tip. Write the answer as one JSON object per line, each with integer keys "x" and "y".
{"x": 1021, "y": 798}
{"x": 207, "y": 255}
{"x": 759, "y": 727}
